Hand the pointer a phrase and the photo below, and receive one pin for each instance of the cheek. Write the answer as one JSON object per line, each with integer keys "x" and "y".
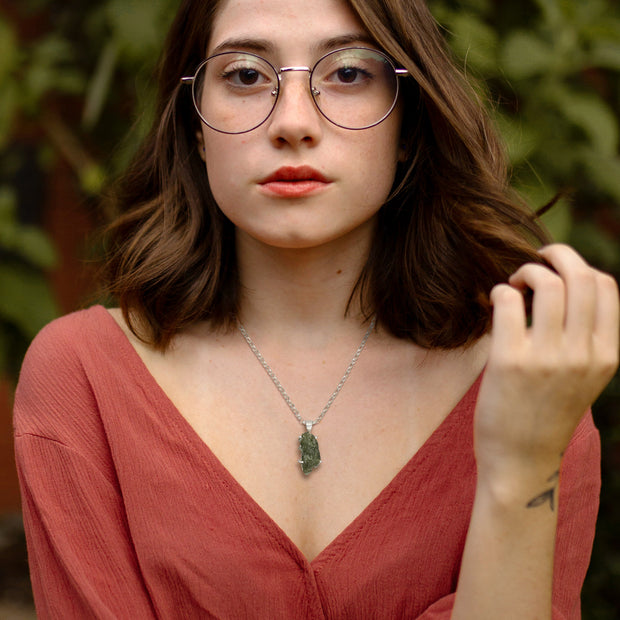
{"x": 225, "y": 169}
{"x": 377, "y": 163}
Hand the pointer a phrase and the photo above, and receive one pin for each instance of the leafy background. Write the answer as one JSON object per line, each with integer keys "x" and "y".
{"x": 76, "y": 90}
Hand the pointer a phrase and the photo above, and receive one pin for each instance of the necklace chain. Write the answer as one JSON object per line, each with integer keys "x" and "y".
{"x": 287, "y": 399}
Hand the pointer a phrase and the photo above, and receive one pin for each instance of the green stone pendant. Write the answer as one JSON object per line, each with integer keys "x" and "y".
{"x": 309, "y": 448}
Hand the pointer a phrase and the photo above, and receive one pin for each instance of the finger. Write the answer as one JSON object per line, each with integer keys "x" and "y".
{"x": 548, "y": 303}
{"x": 581, "y": 290}
{"x": 509, "y": 320}
{"x": 607, "y": 323}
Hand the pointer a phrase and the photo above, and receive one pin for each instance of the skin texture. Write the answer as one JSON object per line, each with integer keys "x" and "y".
{"x": 538, "y": 382}
{"x": 557, "y": 367}
{"x": 297, "y": 135}
{"x": 298, "y": 259}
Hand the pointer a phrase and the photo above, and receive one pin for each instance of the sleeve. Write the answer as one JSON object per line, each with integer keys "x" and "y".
{"x": 80, "y": 551}
{"x": 580, "y": 484}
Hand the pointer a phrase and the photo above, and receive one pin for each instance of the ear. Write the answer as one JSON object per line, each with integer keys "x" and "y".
{"x": 200, "y": 144}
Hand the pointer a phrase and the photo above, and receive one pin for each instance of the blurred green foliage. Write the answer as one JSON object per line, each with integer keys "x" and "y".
{"x": 26, "y": 303}
{"x": 76, "y": 81}
{"x": 73, "y": 77}
{"x": 551, "y": 71}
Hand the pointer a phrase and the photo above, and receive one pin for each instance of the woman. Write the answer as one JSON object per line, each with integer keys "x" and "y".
{"x": 322, "y": 196}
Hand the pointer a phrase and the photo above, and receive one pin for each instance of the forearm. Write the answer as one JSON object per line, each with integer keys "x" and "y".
{"x": 507, "y": 566}
{"x": 541, "y": 374}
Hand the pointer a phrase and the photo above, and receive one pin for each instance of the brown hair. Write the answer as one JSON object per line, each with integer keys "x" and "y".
{"x": 449, "y": 232}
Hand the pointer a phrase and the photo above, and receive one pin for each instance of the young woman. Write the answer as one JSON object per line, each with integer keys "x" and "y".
{"x": 317, "y": 241}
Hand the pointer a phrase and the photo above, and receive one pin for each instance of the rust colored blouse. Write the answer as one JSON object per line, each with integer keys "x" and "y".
{"x": 129, "y": 514}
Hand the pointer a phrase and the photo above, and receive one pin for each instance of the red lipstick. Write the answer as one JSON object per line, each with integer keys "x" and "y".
{"x": 294, "y": 181}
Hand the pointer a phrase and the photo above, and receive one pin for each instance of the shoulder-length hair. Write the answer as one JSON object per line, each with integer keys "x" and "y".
{"x": 450, "y": 230}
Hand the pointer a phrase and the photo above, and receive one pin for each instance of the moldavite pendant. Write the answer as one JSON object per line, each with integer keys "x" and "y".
{"x": 309, "y": 448}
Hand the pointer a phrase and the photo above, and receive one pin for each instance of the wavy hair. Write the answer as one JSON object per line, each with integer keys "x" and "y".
{"x": 451, "y": 229}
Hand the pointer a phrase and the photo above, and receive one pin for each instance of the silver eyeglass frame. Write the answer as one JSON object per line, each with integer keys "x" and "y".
{"x": 187, "y": 80}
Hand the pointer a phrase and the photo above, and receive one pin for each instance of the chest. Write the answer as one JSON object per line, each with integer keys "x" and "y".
{"x": 380, "y": 419}
{"x": 199, "y": 535}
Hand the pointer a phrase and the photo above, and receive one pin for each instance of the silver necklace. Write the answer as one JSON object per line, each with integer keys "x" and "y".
{"x": 308, "y": 443}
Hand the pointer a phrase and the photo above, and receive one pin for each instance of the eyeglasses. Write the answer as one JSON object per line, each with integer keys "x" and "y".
{"x": 353, "y": 88}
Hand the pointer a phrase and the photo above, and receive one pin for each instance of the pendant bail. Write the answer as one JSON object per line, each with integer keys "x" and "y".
{"x": 309, "y": 425}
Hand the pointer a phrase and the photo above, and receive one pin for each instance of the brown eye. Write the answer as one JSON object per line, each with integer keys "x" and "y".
{"x": 248, "y": 76}
{"x": 347, "y": 75}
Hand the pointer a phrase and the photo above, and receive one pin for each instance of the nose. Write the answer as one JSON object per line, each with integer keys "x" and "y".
{"x": 295, "y": 119}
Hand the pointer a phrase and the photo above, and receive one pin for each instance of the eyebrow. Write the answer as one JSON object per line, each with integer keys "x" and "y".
{"x": 252, "y": 45}
{"x": 343, "y": 40}
{"x": 265, "y": 46}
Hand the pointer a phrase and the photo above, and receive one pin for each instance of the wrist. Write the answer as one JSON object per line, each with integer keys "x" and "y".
{"x": 522, "y": 484}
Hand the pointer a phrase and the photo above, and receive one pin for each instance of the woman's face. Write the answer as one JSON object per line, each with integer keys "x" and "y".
{"x": 297, "y": 181}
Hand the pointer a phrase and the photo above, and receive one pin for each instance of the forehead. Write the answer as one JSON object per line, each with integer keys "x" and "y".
{"x": 284, "y": 25}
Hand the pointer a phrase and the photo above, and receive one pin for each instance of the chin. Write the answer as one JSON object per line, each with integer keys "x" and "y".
{"x": 307, "y": 235}
{"x": 296, "y": 242}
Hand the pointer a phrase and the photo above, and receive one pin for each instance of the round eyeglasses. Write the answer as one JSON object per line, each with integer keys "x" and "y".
{"x": 353, "y": 88}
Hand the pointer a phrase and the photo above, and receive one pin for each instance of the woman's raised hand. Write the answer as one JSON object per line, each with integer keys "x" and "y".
{"x": 541, "y": 378}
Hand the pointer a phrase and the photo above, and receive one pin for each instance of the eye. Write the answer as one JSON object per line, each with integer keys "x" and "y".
{"x": 349, "y": 75}
{"x": 239, "y": 72}
{"x": 348, "y": 70}
{"x": 248, "y": 76}
{"x": 244, "y": 76}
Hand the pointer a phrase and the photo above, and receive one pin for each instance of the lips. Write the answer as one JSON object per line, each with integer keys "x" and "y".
{"x": 295, "y": 175}
{"x": 294, "y": 181}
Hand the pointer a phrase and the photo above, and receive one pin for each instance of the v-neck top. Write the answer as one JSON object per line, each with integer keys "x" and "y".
{"x": 129, "y": 514}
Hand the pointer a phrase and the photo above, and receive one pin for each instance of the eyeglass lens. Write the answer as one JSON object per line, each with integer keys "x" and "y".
{"x": 354, "y": 88}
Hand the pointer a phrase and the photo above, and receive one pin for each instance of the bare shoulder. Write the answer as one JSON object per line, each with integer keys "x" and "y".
{"x": 185, "y": 355}
{"x": 459, "y": 366}
{"x": 145, "y": 351}
{"x": 117, "y": 315}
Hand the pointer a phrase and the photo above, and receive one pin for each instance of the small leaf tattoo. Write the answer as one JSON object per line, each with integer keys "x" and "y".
{"x": 546, "y": 496}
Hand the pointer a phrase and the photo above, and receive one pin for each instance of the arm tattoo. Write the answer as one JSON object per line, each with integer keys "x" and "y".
{"x": 548, "y": 495}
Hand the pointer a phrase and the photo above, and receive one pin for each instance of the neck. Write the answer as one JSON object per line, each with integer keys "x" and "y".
{"x": 300, "y": 290}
